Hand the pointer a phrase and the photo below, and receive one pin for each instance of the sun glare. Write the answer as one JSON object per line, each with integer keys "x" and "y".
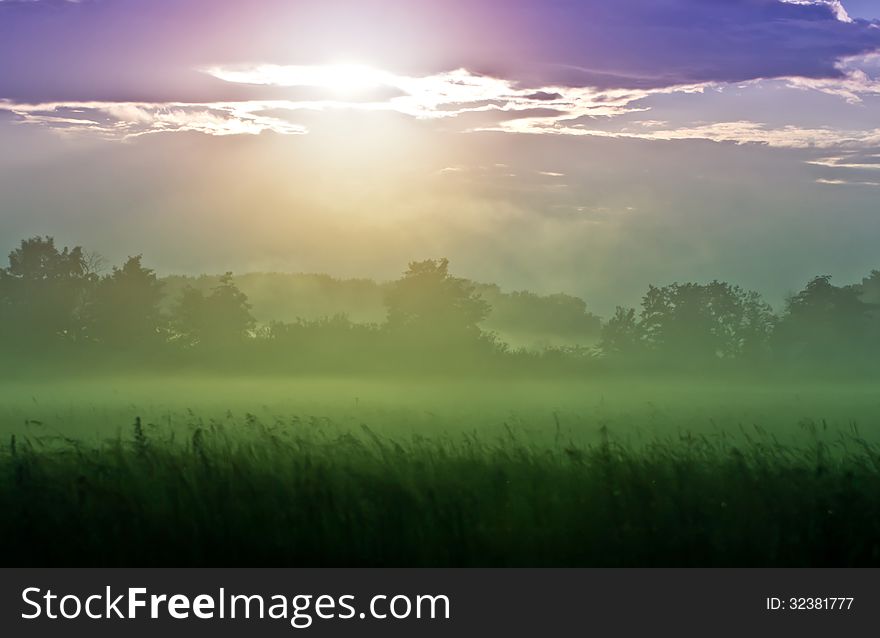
{"x": 347, "y": 77}
{"x": 335, "y": 77}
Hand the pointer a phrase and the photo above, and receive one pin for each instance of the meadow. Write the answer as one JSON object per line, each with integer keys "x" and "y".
{"x": 200, "y": 470}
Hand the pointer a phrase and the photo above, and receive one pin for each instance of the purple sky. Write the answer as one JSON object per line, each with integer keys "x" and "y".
{"x": 534, "y": 142}
{"x": 149, "y": 50}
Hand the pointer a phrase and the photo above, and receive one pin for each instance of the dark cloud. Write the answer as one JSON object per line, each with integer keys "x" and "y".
{"x": 151, "y": 49}
{"x": 543, "y": 96}
{"x": 652, "y": 43}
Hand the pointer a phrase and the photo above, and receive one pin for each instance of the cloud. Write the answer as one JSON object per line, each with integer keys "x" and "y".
{"x": 858, "y": 167}
{"x": 860, "y": 78}
{"x": 444, "y": 96}
{"x": 482, "y": 103}
{"x": 108, "y": 50}
{"x": 839, "y": 11}
{"x": 647, "y": 44}
{"x": 629, "y": 44}
{"x": 853, "y": 161}
{"x": 853, "y": 88}
{"x": 843, "y": 182}
{"x": 791, "y": 137}
{"x": 737, "y": 132}
{"x": 121, "y": 120}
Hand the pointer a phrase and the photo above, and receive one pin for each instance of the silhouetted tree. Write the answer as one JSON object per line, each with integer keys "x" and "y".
{"x": 220, "y": 318}
{"x": 756, "y": 325}
{"x": 869, "y": 289}
{"x": 50, "y": 295}
{"x": 42, "y": 291}
{"x": 620, "y": 334}
{"x": 528, "y": 316}
{"x": 431, "y": 303}
{"x": 700, "y": 322}
{"x": 124, "y": 307}
{"x": 824, "y": 323}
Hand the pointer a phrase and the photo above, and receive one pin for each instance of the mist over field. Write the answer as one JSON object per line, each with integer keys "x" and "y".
{"x": 449, "y": 422}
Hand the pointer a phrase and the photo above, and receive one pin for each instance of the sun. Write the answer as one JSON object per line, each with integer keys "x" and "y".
{"x": 341, "y": 78}
{"x": 344, "y": 78}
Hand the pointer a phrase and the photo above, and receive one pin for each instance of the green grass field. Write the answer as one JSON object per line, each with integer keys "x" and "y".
{"x": 199, "y": 471}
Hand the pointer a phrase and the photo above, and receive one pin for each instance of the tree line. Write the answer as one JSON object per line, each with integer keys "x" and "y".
{"x": 824, "y": 325}
{"x": 55, "y": 300}
{"x": 520, "y": 318}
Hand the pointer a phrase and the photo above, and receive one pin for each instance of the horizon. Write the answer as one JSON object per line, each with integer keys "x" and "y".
{"x": 603, "y": 313}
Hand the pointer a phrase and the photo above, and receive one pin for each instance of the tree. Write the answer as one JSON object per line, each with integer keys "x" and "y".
{"x": 523, "y": 315}
{"x": 869, "y": 289}
{"x": 124, "y": 308}
{"x": 825, "y": 323}
{"x": 220, "y": 318}
{"x": 431, "y": 303}
{"x": 620, "y": 334}
{"x": 42, "y": 291}
{"x": 700, "y": 322}
{"x": 756, "y": 325}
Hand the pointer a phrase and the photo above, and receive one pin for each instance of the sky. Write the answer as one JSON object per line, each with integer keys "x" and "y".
{"x": 590, "y": 147}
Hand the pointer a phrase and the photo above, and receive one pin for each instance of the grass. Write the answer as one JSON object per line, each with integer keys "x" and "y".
{"x": 229, "y": 492}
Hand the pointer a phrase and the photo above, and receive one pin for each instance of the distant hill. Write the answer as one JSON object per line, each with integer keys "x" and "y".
{"x": 522, "y": 319}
